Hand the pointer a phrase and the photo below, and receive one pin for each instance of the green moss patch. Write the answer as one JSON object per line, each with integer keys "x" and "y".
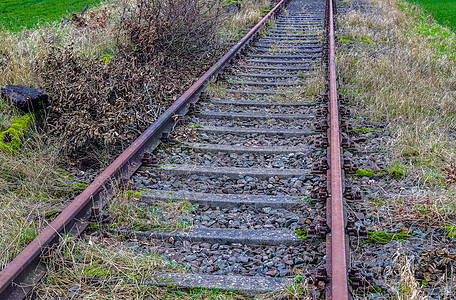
{"x": 364, "y": 130}
{"x": 395, "y": 173}
{"x": 381, "y": 237}
{"x": 302, "y": 233}
{"x": 10, "y": 139}
{"x": 97, "y": 270}
{"x": 133, "y": 194}
{"x": 365, "y": 173}
{"x": 78, "y": 186}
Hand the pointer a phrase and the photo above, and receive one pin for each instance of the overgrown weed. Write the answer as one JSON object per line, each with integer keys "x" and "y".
{"x": 407, "y": 288}
{"x": 31, "y": 185}
{"x": 100, "y": 267}
{"x": 128, "y": 211}
{"x": 251, "y": 13}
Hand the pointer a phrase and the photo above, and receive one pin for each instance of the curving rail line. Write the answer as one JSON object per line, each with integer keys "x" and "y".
{"x": 23, "y": 273}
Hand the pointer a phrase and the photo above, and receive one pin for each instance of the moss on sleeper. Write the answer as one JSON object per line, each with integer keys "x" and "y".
{"x": 133, "y": 194}
{"x": 302, "y": 233}
{"x": 96, "y": 226}
{"x": 149, "y": 227}
{"x": 144, "y": 227}
{"x": 97, "y": 270}
{"x": 365, "y": 173}
{"x": 364, "y": 130}
{"x": 395, "y": 173}
{"x": 345, "y": 41}
{"x": 10, "y": 139}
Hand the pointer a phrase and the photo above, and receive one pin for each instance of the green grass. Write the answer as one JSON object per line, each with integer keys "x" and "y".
{"x": 444, "y": 11}
{"x": 16, "y": 14}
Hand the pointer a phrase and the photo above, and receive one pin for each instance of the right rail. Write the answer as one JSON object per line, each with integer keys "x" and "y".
{"x": 337, "y": 250}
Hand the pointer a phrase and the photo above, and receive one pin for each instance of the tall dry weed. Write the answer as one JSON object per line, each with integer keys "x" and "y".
{"x": 406, "y": 288}
{"x": 250, "y": 14}
{"x": 32, "y": 188}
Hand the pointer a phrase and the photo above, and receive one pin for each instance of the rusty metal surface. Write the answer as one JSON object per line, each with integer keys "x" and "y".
{"x": 338, "y": 247}
{"x": 13, "y": 276}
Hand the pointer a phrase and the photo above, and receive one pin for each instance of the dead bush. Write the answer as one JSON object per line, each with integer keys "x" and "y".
{"x": 111, "y": 99}
{"x": 94, "y": 20}
{"x": 101, "y": 102}
{"x": 182, "y": 30}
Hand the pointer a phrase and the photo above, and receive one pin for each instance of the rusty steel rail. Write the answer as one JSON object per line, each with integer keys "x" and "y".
{"x": 336, "y": 245}
{"x": 19, "y": 277}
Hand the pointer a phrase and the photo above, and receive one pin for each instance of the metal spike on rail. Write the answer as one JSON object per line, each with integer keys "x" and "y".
{"x": 352, "y": 195}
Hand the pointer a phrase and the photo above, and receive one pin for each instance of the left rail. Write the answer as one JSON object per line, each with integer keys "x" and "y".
{"x": 25, "y": 271}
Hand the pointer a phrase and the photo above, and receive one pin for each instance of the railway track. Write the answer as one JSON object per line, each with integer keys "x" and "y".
{"x": 245, "y": 167}
{"x": 254, "y": 158}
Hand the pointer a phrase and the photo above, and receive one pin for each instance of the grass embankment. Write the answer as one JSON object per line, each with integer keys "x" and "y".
{"x": 443, "y": 11}
{"x": 398, "y": 65}
{"x": 98, "y": 71}
{"x": 403, "y": 75}
{"x": 17, "y": 14}
{"x": 33, "y": 187}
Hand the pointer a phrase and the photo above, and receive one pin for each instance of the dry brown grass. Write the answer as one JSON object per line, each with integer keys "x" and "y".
{"x": 314, "y": 84}
{"x": 406, "y": 288}
{"x": 250, "y": 14}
